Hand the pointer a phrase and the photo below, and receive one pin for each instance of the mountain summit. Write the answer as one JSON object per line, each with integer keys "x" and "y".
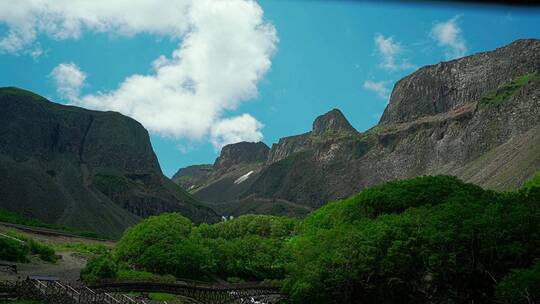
{"x": 447, "y": 86}
{"x": 242, "y": 152}
{"x": 476, "y": 117}
{"x": 332, "y": 123}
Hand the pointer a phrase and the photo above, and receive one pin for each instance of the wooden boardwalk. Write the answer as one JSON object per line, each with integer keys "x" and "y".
{"x": 55, "y": 292}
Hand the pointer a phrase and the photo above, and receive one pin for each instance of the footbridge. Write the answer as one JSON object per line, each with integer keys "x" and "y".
{"x": 118, "y": 292}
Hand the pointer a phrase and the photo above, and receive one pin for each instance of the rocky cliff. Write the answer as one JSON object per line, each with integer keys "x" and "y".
{"x": 476, "y": 117}
{"x": 231, "y": 175}
{"x": 85, "y": 169}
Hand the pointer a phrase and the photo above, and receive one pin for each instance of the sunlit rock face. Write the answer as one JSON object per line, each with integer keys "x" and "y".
{"x": 239, "y": 153}
{"x": 447, "y": 86}
{"x": 477, "y": 118}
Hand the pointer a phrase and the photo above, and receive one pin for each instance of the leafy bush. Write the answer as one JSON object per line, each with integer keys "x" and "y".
{"x": 520, "y": 286}
{"x": 161, "y": 244}
{"x": 45, "y": 252}
{"x": 251, "y": 257}
{"x": 102, "y": 267}
{"x": 136, "y": 275}
{"x": 261, "y": 225}
{"x": 160, "y": 296}
{"x": 533, "y": 182}
{"x": 13, "y": 251}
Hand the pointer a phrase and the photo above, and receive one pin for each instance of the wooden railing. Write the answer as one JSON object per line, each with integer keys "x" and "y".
{"x": 56, "y": 292}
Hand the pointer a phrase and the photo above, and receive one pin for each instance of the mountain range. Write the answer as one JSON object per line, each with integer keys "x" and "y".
{"x": 477, "y": 118}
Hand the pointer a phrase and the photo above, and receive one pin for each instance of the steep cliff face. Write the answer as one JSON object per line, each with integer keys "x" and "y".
{"x": 241, "y": 153}
{"x": 237, "y": 166}
{"x": 449, "y": 85}
{"x": 86, "y": 169}
{"x": 330, "y": 126}
{"x": 477, "y": 117}
{"x": 191, "y": 176}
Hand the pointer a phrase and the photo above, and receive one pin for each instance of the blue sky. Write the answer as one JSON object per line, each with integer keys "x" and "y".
{"x": 270, "y": 69}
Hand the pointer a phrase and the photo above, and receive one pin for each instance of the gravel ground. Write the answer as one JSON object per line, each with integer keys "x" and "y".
{"x": 67, "y": 268}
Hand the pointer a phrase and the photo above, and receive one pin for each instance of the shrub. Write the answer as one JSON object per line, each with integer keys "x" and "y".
{"x": 521, "y": 286}
{"x": 13, "y": 251}
{"x": 86, "y": 248}
{"x": 134, "y": 275}
{"x": 102, "y": 267}
{"x": 161, "y": 244}
{"x": 45, "y": 252}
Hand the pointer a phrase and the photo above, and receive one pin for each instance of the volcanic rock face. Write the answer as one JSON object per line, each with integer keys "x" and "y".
{"x": 477, "y": 117}
{"x": 237, "y": 166}
{"x": 329, "y": 126}
{"x": 85, "y": 169}
{"x": 242, "y": 152}
{"x": 191, "y": 176}
{"x": 449, "y": 85}
{"x": 332, "y": 124}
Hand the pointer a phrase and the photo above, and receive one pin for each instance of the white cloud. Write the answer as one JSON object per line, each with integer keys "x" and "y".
{"x": 66, "y": 19}
{"x": 236, "y": 129}
{"x": 69, "y": 80}
{"x": 390, "y": 52}
{"x": 224, "y": 50}
{"x": 379, "y": 87}
{"x": 448, "y": 35}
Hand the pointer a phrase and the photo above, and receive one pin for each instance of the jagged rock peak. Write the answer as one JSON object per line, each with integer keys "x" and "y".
{"x": 242, "y": 152}
{"x": 450, "y": 85}
{"x": 332, "y": 122}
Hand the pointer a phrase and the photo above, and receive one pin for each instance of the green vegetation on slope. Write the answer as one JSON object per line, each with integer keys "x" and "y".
{"x": 15, "y": 218}
{"x": 505, "y": 91}
{"x": 14, "y": 251}
{"x": 422, "y": 240}
{"x": 520, "y": 286}
{"x": 86, "y": 248}
{"x": 21, "y": 301}
{"x": 533, "y": 182}
{"x": 454, "y": 243}
{"x": 109, "y": 183}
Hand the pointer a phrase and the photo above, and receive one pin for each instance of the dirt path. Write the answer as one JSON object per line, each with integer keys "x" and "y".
{"x": 67, "y": 268}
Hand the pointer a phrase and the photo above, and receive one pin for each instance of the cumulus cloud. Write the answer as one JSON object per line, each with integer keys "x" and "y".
{"x": 66, "y": 19}
{"x": 390, "y": 52}
{"x": 448, "y": 35}
{"x": 225, "y": 48}
{"x": 236, "y": 129}
{"x": 379, "y": 87}
{"x": 69, "y": 80}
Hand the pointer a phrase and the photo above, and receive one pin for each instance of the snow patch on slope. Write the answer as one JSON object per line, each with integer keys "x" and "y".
{"x": 243, "y": 178}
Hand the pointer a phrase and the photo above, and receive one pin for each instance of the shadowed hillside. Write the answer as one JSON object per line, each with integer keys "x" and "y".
{"x": 79, "y": 168}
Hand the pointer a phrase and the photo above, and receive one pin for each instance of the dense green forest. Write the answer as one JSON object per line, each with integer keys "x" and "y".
{"x": 421, "y": 240}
